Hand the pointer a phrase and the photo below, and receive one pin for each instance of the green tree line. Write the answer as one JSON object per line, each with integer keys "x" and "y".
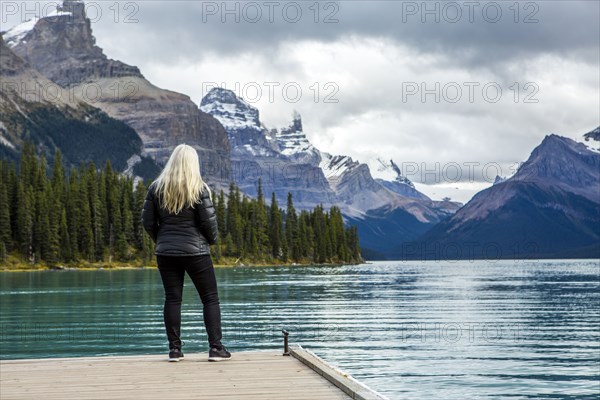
{"x": 90, "y": 214}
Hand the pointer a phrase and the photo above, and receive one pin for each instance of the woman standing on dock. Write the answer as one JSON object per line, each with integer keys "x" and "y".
{"x": 180, "y": 217}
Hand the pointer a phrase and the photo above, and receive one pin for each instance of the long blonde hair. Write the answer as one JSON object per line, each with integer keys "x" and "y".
{"x": 180, "y": 184}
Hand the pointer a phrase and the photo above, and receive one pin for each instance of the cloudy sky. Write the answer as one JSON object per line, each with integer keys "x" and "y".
{"x": 453, "y": 92}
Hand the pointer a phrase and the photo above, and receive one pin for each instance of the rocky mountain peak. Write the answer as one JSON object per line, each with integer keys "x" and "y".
{"x": 294, "y": 143}
{"x": 399, "y": 177}
{"x": 61, "y": 44}
{"x": 232, "y": 111}
{"x": 75, "y": 7}
{"x": 499, "y": 179}
{"x": 399, "y": 184}
{"x": 563, "y": 162}
{"x": 593, "y": 135}
{"x": 296, "y": 125}
{"x": 592, "y": 139}
{"x": 221, "y": 95}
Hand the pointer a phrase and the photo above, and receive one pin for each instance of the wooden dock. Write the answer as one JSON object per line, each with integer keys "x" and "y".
{"x": 248, "y": 375}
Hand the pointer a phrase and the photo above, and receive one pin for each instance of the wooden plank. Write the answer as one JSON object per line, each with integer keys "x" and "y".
{"x": 248, "y": 375}
{"x": 344, "y": 381}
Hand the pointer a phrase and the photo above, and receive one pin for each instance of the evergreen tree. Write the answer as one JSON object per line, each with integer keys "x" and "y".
{"x": 138, "y": 229}
{"x": 95, "y": 204}
{"x": 27, "y": 164}
{"x": 119, "y": 223}
{"x": 86, "y": 233}
{"x": 234, "y": 221}
{"x": 126, "y": 215}
{"x": 24, "y": 220}
{"x": 5, "y": 228}
{"x": 65, "y": 241}
{"x": 291, "y": 230}
{"x": 248, "y": 222}
{"x": 73, "y": 213}
{"x": 58, "y": 177}
{"x": 221, "y": 215}
{"x": 263, "y": 246}
{"x": 275, "y": 227}
{"x": 10, "y": 178}
{"x": 54, "y": 207}
{"x": 305, "y": 235}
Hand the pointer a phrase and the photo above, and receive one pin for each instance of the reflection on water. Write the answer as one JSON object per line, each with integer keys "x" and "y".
{"x": 410, "y": 330}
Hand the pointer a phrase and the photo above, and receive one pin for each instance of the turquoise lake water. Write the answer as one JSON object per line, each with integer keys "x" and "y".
{"x": 418, "y": 330}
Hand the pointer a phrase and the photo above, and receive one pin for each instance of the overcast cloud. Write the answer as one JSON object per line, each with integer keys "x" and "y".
{"x": 369, "y": 62}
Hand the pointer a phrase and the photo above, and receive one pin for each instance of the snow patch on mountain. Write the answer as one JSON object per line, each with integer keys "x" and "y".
{"x": 399, "y": 184}
{"x": 398, "y": 176}
{"x": 231, "y": 111}
{"x": 4, "y": 141}
{"x": 592, "y": 140}
{"x": 328, "y": 179}
{"x": 14, "y": 35}
{"x": 293, "y": 143}
{"x": 247, "y": 136}
{"x": 334, "y": 167}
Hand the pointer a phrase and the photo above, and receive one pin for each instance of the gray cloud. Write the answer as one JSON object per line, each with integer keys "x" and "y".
{"x": 566, "y": 28}
{"x": 371, "y": 53}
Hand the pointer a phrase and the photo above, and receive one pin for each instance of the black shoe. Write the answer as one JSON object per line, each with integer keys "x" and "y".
{"x": 175, "y": 354}
{"x": 218, "y": 354}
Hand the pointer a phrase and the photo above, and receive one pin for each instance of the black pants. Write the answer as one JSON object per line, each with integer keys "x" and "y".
{"x": 201, "y": 271}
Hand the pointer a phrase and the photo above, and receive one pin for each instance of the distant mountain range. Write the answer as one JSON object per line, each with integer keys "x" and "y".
{"x": 386, "y": 212}
{"x": 549, "y": 208}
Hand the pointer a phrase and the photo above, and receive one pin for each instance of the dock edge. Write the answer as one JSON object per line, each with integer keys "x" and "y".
{"x": 344, "y": 381}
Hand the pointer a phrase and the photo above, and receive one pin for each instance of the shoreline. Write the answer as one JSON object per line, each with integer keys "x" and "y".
{"x": 118, "y": 266}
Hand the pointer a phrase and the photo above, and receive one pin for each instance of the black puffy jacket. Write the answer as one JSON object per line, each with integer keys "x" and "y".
{"x": 188, "y": 233}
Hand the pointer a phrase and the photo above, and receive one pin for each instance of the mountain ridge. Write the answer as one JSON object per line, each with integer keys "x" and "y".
{"x": 62, "y": 48}
{"x": 54, "y": 121}
{"x": 549, "y": 208}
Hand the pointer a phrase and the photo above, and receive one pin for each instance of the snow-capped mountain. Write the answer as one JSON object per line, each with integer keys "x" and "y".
{"x": 284, "y": 161}
{"x": 317, "y": 177}
{"x": 293, "y": 143}
{"x": 247, "y": 137}
{"x": 399, "y": 184}
{"x": 17, "y": 33}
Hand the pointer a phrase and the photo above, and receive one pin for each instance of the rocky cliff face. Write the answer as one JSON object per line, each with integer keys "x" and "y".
{"x": 257, "y": 152}
{"x": 247, "y": 136}
{"x": 294, "y": 144}
{"x": 62, "y": 47}
{"x": 62, "y": 43}
{"x": 35, "y": 109}
{"x": 286, "y": 160}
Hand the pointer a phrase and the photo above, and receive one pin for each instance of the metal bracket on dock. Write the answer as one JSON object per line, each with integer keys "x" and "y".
{"x": 286, "y": 349}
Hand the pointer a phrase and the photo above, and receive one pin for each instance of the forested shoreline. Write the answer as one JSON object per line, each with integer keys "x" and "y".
{"x": 83, "y": 216}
